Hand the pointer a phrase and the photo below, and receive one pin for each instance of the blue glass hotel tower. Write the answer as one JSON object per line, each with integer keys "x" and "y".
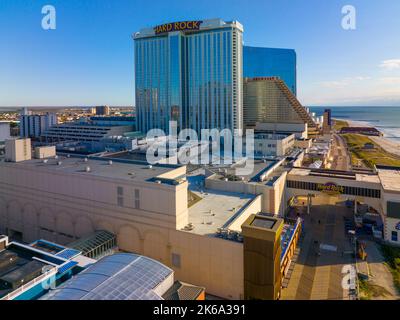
{"x": 190, "y": 72}
{"x": 271, "y": 62}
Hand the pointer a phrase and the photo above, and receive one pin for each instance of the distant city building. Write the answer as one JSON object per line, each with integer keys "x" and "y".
{"x": 269, "y": 100}
{"x": 327, "y": 121}
{"x": 190, "y": 72}
{"x": 102, "y": 110}
{"x": 368, "y": 131}
{"x": 112, "y": 121}
{"x": 266, "y": 144}
{"x": 271, "y": 62}
{"x": 4, "y": 131}
{"x": 83, "y": 132}
{"x": 33, "y": 125}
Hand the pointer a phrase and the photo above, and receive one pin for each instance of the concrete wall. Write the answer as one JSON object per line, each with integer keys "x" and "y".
{"x": 253, "y": 208}
{"x": 271, "y": 195}
{"x": 304, "y": 144}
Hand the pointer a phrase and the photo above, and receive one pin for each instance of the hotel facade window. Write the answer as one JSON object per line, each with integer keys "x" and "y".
{"x": 137, "y": 199}
{"x": 120, "y": 196}
{"x": 271, "y": 62}
{"x": 190, "y": 76}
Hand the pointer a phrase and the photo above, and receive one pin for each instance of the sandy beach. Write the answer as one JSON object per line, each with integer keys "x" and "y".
{"x": 388, "y": 145}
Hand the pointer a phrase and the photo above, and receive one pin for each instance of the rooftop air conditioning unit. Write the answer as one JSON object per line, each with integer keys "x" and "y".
{"x": 110, "y": 162}
{"x": 85, "y": 160}
{"x": 59, "y": 163}
{"x": 150, "y": 166}
{"x": 87, "y": 169}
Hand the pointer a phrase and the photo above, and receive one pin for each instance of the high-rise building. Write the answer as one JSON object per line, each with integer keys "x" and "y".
{"x": 33, "y": 125}
{"x": 327, "y": 122}
{"x": 269, "y": 100}
{"x": 190, "y": 72}
{"x": 271, "y": 62}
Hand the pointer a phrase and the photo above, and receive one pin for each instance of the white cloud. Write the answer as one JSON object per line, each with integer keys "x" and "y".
{"x": 345, "y": 82}
{"x": 357, "y": 90}
{"x": 362, "y": 78}
{"x": 390, "y": 80}
{"x": 390, "y": 64}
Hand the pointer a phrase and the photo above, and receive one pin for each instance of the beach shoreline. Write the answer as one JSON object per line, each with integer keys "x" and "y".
{"x": 389, "y": 145}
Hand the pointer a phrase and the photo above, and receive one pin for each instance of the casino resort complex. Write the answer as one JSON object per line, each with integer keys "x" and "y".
{"x": 84, "y": 213}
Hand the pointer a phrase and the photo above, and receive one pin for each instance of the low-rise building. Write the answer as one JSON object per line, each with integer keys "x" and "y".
{"x": 28, "y": 271}
{"x": 300, "y": 130}
{"x": 124, "y": 276}
{"x": 33, "y": 125}
{"x": 85, "y": 132}
{"x": 268, "y": 144}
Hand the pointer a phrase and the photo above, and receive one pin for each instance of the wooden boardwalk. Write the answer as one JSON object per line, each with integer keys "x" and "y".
{"x": 317, "y": 273}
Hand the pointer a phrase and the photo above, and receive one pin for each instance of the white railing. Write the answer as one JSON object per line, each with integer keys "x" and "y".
{"x": 29, "y": 285}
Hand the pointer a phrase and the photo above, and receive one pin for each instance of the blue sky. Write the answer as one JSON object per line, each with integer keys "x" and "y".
{"x": 88, "y": 59}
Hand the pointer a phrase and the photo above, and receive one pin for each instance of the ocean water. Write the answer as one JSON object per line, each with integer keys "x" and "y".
{"x": 385, "y": 119}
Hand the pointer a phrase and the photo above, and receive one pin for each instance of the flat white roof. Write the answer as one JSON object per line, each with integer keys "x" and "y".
{"x": 390, "y": 179}
{"x": 127, "y": 170}
{"x": 216, "y": 209}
